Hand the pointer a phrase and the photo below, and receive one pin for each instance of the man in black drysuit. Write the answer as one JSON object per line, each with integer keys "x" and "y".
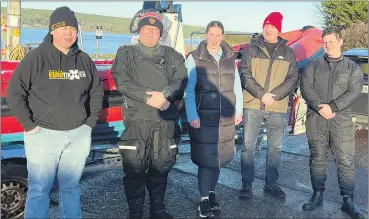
{"x": 330, "y": 84}
{"x": 151, "y": 78}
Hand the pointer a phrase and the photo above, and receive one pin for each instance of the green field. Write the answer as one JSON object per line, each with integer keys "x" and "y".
{"x": 39, "y": 18}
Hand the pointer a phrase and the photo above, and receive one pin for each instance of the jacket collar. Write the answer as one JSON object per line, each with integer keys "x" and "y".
{"x": 259, "y": 42}
{"x": 332, "y": 60}
{"x": 204, "y": 53}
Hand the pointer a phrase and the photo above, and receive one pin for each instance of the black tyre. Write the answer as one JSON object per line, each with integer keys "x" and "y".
{"x": 13, "y": 190}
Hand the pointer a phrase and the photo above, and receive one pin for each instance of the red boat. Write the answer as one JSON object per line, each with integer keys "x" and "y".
{"x": 306, "y": 43}
{"x": 110, "y": 122}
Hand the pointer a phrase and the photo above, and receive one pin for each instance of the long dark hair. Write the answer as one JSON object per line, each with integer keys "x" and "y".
{"x": 215, "y": 24}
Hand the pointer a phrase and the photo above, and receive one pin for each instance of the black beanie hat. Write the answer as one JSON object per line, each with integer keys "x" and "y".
{"x": 61, "y": 17}
{"x": 151, "y": 19}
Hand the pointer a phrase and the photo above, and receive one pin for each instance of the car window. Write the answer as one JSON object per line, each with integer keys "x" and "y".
{"x": 364, "y": 67}
{"x": 362, "y": 62}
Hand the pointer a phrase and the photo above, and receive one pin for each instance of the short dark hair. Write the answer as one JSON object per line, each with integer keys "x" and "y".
{"x": 215, "y": 24}
{"x": 332, "y": 30}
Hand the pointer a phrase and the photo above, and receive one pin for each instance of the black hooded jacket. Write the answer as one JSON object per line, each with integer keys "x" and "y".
{"x": 136, "y": 73}
{"x": 54, "y": 90}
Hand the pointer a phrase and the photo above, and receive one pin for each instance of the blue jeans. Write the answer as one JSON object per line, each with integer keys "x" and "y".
{"x": 275, "y": 124}
{"x": 51, "y": 152}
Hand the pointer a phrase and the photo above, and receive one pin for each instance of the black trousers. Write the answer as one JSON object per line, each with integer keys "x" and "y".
{"x": 134, "y": 186}
{"x": 335, "y": 135}
{"x": 149, "y": 150}
{"x": 207, "y": 180}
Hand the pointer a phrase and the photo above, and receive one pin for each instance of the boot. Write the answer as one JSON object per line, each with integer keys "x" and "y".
{"x": 350, "y": 208}
{"x": 315, "y": 201}
{"x": 135, "y": 208}
{"x": 134, "y": 216}
{"x": 275, "y": 191}
{"x": 157, "y": 208}
{"x": 161, "y": 215}
{"x": 156, "y": 183}
{"x": 134, "y": 186}
{"x": 246, "y": 191}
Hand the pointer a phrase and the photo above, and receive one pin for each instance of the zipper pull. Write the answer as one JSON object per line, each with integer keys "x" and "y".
{"x": 125, "y": 102}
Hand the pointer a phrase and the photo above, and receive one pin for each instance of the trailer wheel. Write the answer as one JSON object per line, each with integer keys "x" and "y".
{"x": 13, "y": 190}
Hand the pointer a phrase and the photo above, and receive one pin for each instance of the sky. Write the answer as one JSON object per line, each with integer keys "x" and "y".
{"x": 235, "y": 16}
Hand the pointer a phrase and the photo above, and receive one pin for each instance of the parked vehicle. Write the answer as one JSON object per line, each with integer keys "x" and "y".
{"x": 360, "y": 107}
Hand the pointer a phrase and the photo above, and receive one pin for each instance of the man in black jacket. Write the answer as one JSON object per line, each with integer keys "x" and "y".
{"x": 330, "y": 84}
{"x": 56, "y": 94}
{"x": 151, "y": 78}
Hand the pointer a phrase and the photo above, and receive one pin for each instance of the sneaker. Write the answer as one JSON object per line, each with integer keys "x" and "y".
{"x": 275, "y": 191}
{"x": 214, "y": 205}
{"x": 246, "y": 191}
{"x": 204, "y": 209}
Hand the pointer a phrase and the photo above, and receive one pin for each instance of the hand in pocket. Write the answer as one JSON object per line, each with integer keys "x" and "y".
{"x": 33, "y": 131}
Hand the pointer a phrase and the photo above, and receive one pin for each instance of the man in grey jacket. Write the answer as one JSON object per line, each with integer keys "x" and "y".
{"x": 330, "y": 84}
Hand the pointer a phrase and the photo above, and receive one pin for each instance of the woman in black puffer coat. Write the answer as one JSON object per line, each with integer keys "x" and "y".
{"x": 213, "y": 98}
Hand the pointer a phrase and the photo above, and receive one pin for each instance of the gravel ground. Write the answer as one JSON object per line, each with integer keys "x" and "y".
{"x": 103, "y": 193}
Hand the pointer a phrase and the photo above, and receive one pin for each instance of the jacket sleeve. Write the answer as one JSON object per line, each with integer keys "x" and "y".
{"x": 307, "y": 87}
{"x": 123, "y": 79}
{"x": 96, "y": 96}
{"x": 290, "y": 82}
{"x": 189, "y": 96}
{"x": 248, "y": 82}
{"x": 18, "y": 90}
{"x": 175, "y": 90}
{"x": 238, "y": 92}
{"x": 353, "y": 92}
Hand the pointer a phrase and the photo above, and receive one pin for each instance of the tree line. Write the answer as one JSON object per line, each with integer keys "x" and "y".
{"x": 351, "y": 16}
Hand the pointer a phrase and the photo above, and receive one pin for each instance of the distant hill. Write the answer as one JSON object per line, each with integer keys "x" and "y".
{"x": 39, "y": 18}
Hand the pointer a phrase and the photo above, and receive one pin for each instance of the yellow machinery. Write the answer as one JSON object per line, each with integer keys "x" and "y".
{"x": 10, "y": 31}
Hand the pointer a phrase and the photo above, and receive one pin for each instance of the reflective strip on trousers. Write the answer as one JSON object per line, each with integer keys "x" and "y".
{"x": 124, "y": 147}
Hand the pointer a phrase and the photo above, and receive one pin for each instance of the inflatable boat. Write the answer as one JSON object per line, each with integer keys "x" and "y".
{"x": 305, "y": 42}
{"x": 109, "y": 125}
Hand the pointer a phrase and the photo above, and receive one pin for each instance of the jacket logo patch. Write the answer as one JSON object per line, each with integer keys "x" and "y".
{"x": 152, "y": 21}
{"x": 280, "y": 57}
{"x": 160, "y": 62}
{"x": 57, "y": 25}
{"x": 343, "y": 79}
{"x": 71, "y": 75}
